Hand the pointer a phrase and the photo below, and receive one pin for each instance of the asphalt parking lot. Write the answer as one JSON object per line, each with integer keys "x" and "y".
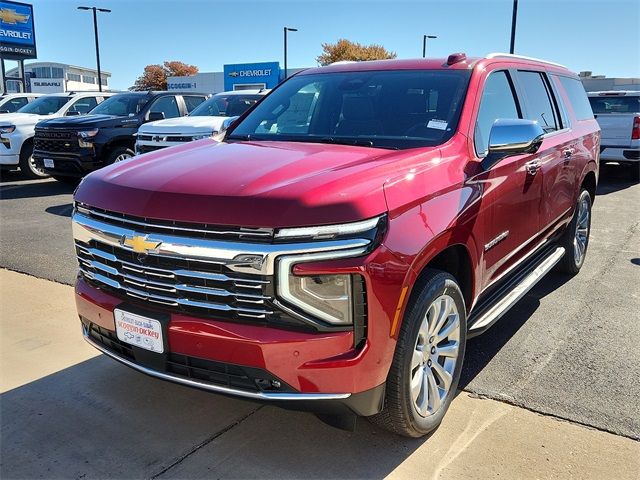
{"x": 567, "y": 350}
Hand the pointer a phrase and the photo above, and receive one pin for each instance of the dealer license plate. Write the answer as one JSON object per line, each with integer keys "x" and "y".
{"x": 143, "y": 332}
{"x": 48, "y": 162}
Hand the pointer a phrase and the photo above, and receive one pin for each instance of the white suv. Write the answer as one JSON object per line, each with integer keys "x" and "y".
{"x": 204, "y": 121}
{"x": 17, "y": 129}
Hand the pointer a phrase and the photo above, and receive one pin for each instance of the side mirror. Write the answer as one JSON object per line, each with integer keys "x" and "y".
{"x": 155, "y": 116}
{"x": 228, "y": 122}
{"x": 510, "y": 137}
{"x": 72, "y": 113}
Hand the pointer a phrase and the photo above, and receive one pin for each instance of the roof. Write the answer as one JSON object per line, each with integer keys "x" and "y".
{"x": 61, "y": 65}
{"x": 262, "y": 91}
{"x": 429, "y": 64}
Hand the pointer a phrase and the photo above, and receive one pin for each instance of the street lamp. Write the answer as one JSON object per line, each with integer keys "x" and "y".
{"x": 514, "y": 17}
{"x": 95, "y": 31}
{"x": 424, "y": 44}
{"x": 286, "y": 29}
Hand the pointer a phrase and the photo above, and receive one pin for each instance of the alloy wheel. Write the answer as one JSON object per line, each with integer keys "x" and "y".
{"x": 35, "y": 169}
{"x": 582, "y": 231}
{"x": 122, "y": 156}
{"x": 435, "y": 356}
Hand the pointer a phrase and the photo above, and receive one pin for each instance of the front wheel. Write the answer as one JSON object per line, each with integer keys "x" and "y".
{"x": 120, "y": 154}
{"x": 28, "y": 166}
{"x": 427, "y": 363}
{"x": 575, "y": 239}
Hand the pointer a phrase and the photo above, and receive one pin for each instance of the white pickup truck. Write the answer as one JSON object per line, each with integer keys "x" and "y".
{"x": 204, "y": 121}
{"x": 618, "y": 114}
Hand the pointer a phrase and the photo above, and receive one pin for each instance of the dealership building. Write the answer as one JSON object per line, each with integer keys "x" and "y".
{"x": 51, "y": 77}
{"x": 239, "y": 76}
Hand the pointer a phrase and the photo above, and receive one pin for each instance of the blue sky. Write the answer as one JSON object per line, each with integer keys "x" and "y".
{"x": 598, "y": 35}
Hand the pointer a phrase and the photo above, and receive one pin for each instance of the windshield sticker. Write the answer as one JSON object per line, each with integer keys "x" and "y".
{"x": 437, "y": 124}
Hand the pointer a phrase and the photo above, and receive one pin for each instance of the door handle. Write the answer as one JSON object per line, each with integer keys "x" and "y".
{"x": 533, "y": 166}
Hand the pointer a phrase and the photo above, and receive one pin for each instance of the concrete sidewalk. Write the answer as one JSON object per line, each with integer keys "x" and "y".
{"x": 67, "y": 412}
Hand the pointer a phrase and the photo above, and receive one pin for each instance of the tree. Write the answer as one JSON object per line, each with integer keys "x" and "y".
{"x": 346, "y": 50}
{"x": 155, "y": 77}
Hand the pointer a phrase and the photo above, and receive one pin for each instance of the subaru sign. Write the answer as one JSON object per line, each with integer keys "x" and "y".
{"x": 17, "y": 33}
{"x": 257, "y": 75}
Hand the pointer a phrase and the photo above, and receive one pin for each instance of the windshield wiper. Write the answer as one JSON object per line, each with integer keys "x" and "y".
{"x": 242, "y": 138}
{"x": 346, "y": 141}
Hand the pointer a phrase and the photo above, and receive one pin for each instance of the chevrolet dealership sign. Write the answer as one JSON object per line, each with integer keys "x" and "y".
{"x": 266, "y": 74}
{"x": 17, "y": 34}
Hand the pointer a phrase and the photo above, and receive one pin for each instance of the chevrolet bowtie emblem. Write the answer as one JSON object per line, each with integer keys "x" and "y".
{"x": 11, "y": 17}
{"x": 140, "y": 243}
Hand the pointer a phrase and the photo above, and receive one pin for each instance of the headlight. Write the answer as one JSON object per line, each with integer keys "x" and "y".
{"x": 7, "y": 129}
{"x": 329, "y": 231}
{"x": 85, "y": 136}
{"x": 200, "y": 136}
{"x": 327, "y": 297}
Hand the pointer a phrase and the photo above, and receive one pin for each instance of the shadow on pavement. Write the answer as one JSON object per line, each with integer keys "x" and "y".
{"x": 33, "y": 189}
{"x": 614, "y": 178}
{"x": 102, "y": 420}
{"x": 481, "y": 350}
{"x": 64, "y": 210}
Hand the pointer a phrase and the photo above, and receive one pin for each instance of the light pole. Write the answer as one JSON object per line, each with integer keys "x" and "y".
{"x": 424, "y": 44}
{"x": 286, "y": 29}
{"x": 513, "y": 26}
{"x": 95, "y": 31}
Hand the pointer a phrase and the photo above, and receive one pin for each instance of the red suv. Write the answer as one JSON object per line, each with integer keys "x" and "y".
{"x": 353, "y": 229}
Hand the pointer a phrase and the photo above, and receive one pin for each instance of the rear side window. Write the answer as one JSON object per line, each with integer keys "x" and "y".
{"x": 539, "y": 106}
{"x": 615, "y": 104}
{"x": 166, "y": 105}
{"x": 192, "y": 102}
{"x": 13, "y": 105}
{"x": 83, "y": 105}
{"x": 497, "y": 102}
{"x": 577, "y": 97}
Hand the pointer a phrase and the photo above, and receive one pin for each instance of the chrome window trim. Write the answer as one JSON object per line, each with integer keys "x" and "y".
{"x": 275, "y": 396}
{"x": 229, "y": 253}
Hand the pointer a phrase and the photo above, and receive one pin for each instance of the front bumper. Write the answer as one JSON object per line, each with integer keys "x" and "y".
{"x": 319, "y": 372}
{"x": 10, "y": 159}
{"x": 69, "y": 164}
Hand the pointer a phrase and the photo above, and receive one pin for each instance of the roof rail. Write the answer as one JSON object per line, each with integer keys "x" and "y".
{"x": 522, "y": 57}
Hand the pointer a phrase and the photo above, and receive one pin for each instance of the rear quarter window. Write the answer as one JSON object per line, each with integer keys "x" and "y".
{"x": 578, "y": 97}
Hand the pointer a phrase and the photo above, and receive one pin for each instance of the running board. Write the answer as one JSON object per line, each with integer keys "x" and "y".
{"x": 499, "y": 308}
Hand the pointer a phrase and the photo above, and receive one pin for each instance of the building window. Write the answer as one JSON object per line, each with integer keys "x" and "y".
{"x": 73, "y": 77}
{"x": 104, "y": 81}
{"x": 57, "y": 72}
{"x": 89, "y": 79}
{"x": 41, "y": 72}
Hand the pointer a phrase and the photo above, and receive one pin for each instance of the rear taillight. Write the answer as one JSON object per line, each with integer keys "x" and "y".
{"x": 635, "y": 132}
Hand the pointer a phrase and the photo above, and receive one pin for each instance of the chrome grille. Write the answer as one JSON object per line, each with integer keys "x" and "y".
{"x": 196, "y": 230}
{"x": 183, "y": 285}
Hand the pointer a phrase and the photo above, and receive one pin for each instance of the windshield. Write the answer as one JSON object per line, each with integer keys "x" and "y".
{"x": 45, "y": 105}
{"x": 225, "y": 105}
{"x": 386, "y": 109}
{"x": 121, "y": 105}
{"x": 615, "y": 104}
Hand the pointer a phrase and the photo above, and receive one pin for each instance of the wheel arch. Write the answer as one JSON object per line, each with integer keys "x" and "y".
{"x": 590, "y": 183}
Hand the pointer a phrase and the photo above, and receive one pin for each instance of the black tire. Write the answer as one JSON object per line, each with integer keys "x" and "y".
{"x": 571, "y": 262}
{"x": 67, "y": 180}
{"x": 400, "y": 413}
{"x": 27, "y": 167}
{"x": 118, "y": 152}
{"x": 634, "y": 171}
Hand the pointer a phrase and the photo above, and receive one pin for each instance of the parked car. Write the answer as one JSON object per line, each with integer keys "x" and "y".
{"x": 204, "y": 121}
{"x": 618, "y": 113}
{"x": 17, "y": 129}
{"x": 69, "y": 148}
{"x": 351, "y": 232}
{"x": 12, "y": 102}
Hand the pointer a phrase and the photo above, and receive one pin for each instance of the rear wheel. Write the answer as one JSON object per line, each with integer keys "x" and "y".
{"x": 576, "y": 238}
{"x": 427, "y": 363}
{"x": 28, "y": 167}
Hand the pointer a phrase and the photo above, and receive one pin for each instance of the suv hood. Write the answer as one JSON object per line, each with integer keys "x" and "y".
{"x": 89, "y": 121}
{"x": 183, "y": 125}
{"x": 251, "y": 184}
{"x": 22, "y": 118}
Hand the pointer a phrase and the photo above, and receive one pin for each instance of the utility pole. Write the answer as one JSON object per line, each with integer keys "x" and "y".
{"x": 286, "y": 29}
{"x": 95, "y": 31}
{"x": 513, "y": 26}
